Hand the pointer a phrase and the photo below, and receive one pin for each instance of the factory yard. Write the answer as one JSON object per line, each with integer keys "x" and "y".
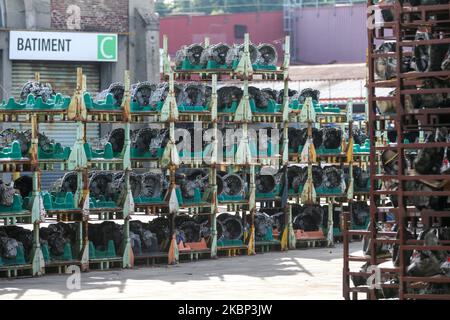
{"x": 293, "y": 275}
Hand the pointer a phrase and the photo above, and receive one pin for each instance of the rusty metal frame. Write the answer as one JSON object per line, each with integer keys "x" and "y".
{"x": 407, "y": 20}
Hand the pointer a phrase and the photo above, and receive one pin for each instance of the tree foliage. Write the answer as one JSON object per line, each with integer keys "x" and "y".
{"x": 217, "y": 6}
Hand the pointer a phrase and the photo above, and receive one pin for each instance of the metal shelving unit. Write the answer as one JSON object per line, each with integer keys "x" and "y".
{"x": 407, "y": 20}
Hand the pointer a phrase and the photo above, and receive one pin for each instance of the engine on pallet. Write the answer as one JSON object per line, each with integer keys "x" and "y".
{"x": 227, "y": 95}
{"x": 231, "y": 184}
{"x": 161, "y": 228}
{"x": 162, "y": 91}
{"x": 191, "y": 54}
{"x": 8, "y": 246}
{"x": 101, "y": 235}
{"x": 143, "y": 240}
{"x": 149, "y": 141}
{"x": 292, "y": 94}
{"x": 332, "y": 177}
{"x": 117, "y": 90}
{"x": 38, "y": 90}
{"x": 268, "y": 55}
{"x": 195, "y": 94}
{"x": 7, "y": 192}
{"x": 298, "y": 138}
{"x": 431, "y": 100}
{"x": 385, "y": 67}
{"x": 57, "y": 237}
{"x": 360, "y": 136}
{"x": 309, "y": 93}
{"x": 24, "y": 185}
{"x": 428, "y": 161}
{"x": 190, "y": 180}
{"x": 117, "y": 140}
{"x": 119, "y": 185}
{"x": 260, "y": 99}
{"x": 10, "y": 135}
{"x": 307, "y": 217}
{"x": 360, "y": 214}
{"x": 433, "y": 160}
{"x": 361, "y": 178}
{"x": 141, "y": 93}
{"x": 277, "y": 216}
{"x": 16, "y": 243}
{"x": 237, "y": 51}
{"x": 269, "y": 93}
{"x": 231, "y": 226}
{"x": 263, "y": 226}
{"x": 297, "y": 176}
{"x": 216, "y": 53}
{"x": 101, "y": 186}
{"x": 427, "y": 263}
{"x": 154, "y": 185}
{"x": 328, "y": 138}
{"x": 268, "y": 183}
{"x": 429, "y": 58}
{"x": 189, "y": 230}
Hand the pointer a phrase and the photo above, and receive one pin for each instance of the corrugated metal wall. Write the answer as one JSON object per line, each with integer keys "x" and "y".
{"x": 62, "y": 76}
{"x": 331, "y": 34}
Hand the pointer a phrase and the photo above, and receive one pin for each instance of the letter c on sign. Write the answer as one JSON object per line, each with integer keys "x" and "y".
{"x": 102, "y": 47}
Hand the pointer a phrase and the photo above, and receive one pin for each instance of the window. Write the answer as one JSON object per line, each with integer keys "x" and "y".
{"x": 239, "y": 31}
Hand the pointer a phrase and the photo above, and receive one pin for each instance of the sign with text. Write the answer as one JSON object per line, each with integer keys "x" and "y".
{"x": 63, "y": 46}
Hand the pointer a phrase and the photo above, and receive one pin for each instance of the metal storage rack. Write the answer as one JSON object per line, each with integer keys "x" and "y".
{"x": 244, "y": 159}
{"x": 312, "y": 118}
{"x": 407, "y": 20}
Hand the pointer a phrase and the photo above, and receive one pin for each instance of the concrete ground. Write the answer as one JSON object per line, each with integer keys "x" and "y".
{"x": 302, "y": 274}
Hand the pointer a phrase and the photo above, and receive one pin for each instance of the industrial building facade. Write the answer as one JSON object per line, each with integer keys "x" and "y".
{"x": 54, "y": 37}
{"x": 320, "y": 35}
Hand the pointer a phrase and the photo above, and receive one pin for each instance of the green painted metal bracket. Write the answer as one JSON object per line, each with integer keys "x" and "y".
{"x": 37, "y": 204}
{"x": 126, "y": 152}
{"x": 244, "y": 110}
{"x": 243, "y": 154}
{"x": 244, "y": 66}
{"x": 351, "y": 184}
{"x": 308, "y": 113}
{"x": 292, "y": 240}
{"x": 174, "y": 205}
{"x": 171, "y": 155}
{"x": 78, "y": 158}
{"x": 214, "y": 98}
{"x": 252, "y": 209}
{"x": 85, "y": 257}
{"x": 287, "y": 58}
{"x": 330, "y": 235}
{"x": 285, "y": 157}
{"x": 169, "y": 111}
{"x": 37, "y": 258}
{"x": 127, "y": 255}
{"x": 128, "y": 206}
{"x": 349, "y": 110}
{"x": 309, "y": 195}
{"x": 79, "y": 192}
{"x": 214, "y": 235}
{"x": 214, "y": 211}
